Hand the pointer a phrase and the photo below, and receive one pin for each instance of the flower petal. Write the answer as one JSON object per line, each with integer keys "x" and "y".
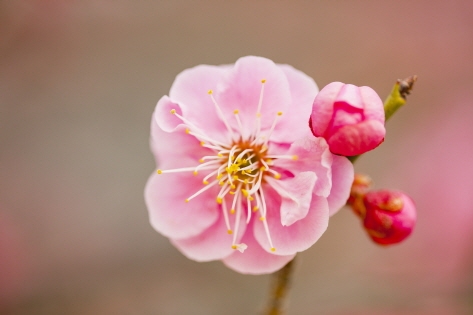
{"x": 356, "y": 139}
{"x": 293, "y": 124}
{"x": 297, "y": 237}
{"x": 242, "y": 91}
{"x": 190, "y": 91}
{"x": 170, "y": 215}
{"x": 175, "y": 149}
{"x": 313, "y": 155}
{"x": 214, "y": 243}
{"x": 163, "y": 116}
{"x": 342, "y": 179}
{"x": 255, "y": 260}
{"x": 296, "y": 193}
{"x": 322, "y": 109}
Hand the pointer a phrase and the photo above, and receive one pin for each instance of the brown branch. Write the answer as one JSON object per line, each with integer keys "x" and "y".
{"x": 280, "y": 288}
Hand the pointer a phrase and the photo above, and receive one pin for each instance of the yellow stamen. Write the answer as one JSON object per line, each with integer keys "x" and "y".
{"x": 202, "y": 143}
{"x": 173, "y": 111}
{"x": 230, "y": 232}
{"x": 234, "y": 247}
{"x": 187, "y": 200}
{"x": 277, "y": 176}
{"x": 279, "y": 113}
{"x": 273, "y": 249}
{"x": 263, "y": 81}
{"x": 195, "y": 173}
{"x": 295, "y": 157}
{"x": 205, "y": 182}
{"x": 187, "y": 130}
{"x": 255, "y": 208}
{"x": 232, "y": 211}
{"x": 210, "y": 92}
{"x": 236, "y": 111}
{"x": 159, "y": 171}
{"x": 262, "y": 218}
{"x": 219, "y": 200}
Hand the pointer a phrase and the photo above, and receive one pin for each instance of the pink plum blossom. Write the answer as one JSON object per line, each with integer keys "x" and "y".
{"x": 241, "y": 178}
{"x": 390, "y": 216}
{"x": 350, "y": 118}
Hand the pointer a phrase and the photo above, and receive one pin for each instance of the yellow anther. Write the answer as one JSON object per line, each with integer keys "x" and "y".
{"x": 263, "y": 81}
{"x": 219, "y": 176}
{"x": 202, "y": 143}
{"x": 236, "y": 111}
{"x": 231, "y": 192}
{"x": 221, "y": 182}
{"x": 232, "y": 186}
{"x": 210, "y": 92}
{"x": 295, "y": 157}
{"x": 173, "y": 111}
{"x": 235, "y": 177}
{"x": 273, "y": 249}
{"x": 201, "y": 161}
{"x": 219, "y": 200}
{"x": 255, "y": 208}
{"x": 262, "y": 168}
{"x": 187, "y": 130}
{"x": 159, "y": 171}
{"x": 220, "y": 155}
{"x": 195, "y": 173}
{"x": 277, "y": 176}
{"x": 264, "y": 148}
{"x": 279, "y": 113}
{"x": 205, "y": 182}
{"x": 245, "y": 192}
{"x": 187, "y": 200}
{"x": 230, "y": 232}
{"x": 262, "y": 218}
{"x": 232, "y": 211}
{"x": 234, "y": 246}
{"x": 251, "y": 198}
{"x": 258, "y": 115}
{"x": 246, "y": 181}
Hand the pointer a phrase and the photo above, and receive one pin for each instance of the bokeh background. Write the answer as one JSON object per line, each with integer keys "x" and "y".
{"x": 78, "y": 84}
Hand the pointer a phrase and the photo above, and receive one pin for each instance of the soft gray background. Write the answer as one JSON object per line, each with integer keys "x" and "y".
{"x": 79, "y": 81}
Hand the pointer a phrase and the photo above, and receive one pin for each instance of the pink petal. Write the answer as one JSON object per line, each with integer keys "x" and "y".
{"x": 176, "y": 149}
{"x": 373, "y": 104}
{"x": 165, "y": 196}
{"x": 356, "y": 139}
{"x": 313, "y": 154}
{"x": 242, "y": 91}
{"x": 190, "y": 91}
{"x": 322, "y": 109}
{"x": 303, "y": 91}
{"x": 350, "y": 94}
{"x": 214, "y": 243}
{"x": 296, "y": 193}
{"x": 342, "y": 179}
{"x": 162, "y": 114}
{"x": 255, "y": 260}
{"x": 297, "y": 237}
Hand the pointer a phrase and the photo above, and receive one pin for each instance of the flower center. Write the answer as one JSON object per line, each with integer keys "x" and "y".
{"x": 238, "y": 166}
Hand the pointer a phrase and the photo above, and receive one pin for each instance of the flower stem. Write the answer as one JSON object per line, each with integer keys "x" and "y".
{"x": 280, "y": 287}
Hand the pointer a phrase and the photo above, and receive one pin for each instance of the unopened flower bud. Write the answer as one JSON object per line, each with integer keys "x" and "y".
{"x": 390, "y": 216}
{"x": 349, "y": 117}
{"x": 361, "y": 185}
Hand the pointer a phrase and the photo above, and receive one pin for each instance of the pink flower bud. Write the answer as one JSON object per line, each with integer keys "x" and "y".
{"x": 350, "y": 118}
{"x": 390, "y": 216}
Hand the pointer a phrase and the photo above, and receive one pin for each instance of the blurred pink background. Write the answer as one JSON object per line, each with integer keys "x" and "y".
{"x": 79, "y": 81}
